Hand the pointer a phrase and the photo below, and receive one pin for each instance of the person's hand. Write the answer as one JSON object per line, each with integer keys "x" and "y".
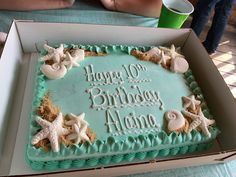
{"x": 34, "y": 4}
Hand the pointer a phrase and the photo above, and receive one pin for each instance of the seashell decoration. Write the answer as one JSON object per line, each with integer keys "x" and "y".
{"x": 179, "y": 65}
{"x": 79, "y": 53}
{"x": 54, "y": 54}
{"x": 54, "y": 71}
{"x": 61, "y": 62}
{"x": 155, "y": 51}
{"x": 72, "y": 60}
{"x": 175, "y": 120}
{"x": 169, "y": 58}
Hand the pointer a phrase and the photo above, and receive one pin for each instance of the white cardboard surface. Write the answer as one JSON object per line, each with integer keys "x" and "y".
{"x": 56, "y": 33}
{"x": 17, "y": 167}
{"x": 10, "y": 64}
{"x": 218, "y": 96}
{"x": 31, "y": 33}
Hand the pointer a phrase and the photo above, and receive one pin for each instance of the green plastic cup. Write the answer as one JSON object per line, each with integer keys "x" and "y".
{"x": 174, "y": 13}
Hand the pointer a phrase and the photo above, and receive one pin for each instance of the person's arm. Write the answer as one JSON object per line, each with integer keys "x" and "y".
{"x": 34, "y": 4}
{"x": 150, "y": 8}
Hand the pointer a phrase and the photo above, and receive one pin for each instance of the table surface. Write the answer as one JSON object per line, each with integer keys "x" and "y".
{"x": 92, "y": 12}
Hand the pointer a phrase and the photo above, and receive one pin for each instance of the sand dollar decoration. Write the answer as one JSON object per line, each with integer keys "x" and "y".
{"x": 155, "y": 51}
{"x": 179, "y": 65}
{"x": 175, "y": 120}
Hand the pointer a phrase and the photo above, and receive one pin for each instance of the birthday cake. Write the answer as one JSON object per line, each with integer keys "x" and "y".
{"x": 95, "y": 106}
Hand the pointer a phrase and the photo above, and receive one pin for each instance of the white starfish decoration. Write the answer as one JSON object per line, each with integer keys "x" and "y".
{"x": 51, "y": 130}
{"x": 79, "y": 127}
{"x": 200, "y": 121}
{"x": 163, "y": 59}
{"x": 78, "y": 135}
{"x": 172, "y": 52}
{"x": 54, "y": 54}
{"x": 73, "y": 60}
{"x": 190, "y": 102}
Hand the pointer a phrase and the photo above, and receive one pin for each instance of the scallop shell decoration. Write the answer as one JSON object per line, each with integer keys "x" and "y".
{"x": 179, "y": 65}
{"x": 55, "y": 71}
{"x": 155, "y": 51}
{"x": 175, "y": 120}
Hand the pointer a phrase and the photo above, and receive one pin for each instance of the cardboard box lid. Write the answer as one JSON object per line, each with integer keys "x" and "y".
{"x": 21, "y": 42}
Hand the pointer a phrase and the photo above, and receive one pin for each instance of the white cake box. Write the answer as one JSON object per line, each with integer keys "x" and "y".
{"x": 16, "y": 91}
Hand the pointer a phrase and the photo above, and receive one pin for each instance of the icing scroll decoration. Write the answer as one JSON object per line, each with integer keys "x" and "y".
{"x": 103, "y": 78}
{"x": 130, "y": 122}
{"x": 123, "y": 96}
{"x": 103, "y": 99}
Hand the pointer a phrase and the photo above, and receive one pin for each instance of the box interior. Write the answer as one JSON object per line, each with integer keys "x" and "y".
{"x": 218, "y": 96}
{"x": 25, "y": 37}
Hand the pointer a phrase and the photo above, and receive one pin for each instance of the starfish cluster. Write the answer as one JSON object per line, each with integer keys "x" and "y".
{"x": 177, "y": 121}
{"x": 169, "y": 58}
{"x": 79, "y": 127}
{"x": 54, "y": 130}
{"x": 57, "y": 63}
{"x": 194, "y": 112}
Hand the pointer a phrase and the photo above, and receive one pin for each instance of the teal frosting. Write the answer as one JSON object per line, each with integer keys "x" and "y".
{"x": 78, "y": 163}
{"x": 52, "y": 165}
{"x": 104, "y": 148}
{"x": 141, "y": 155}
{"x": 37, "y": 165}
{"x": 164, "y": 152}
{"x": 116, "y": 147}
{"x": 105, "y": 160}
{"x": 152, "y": 154}
{"x": 129, "y": 157}
{"x": 92, "y": 149}
{"x": 107, "y": 148}
{"x": 183, "y": 150}
{"x": 92, "y": 162}
{"x": 192, "y": 148}
{"x": 65, "y": 164}
{"x": 174, "y": 151}
{"x": 117, "y": 158}
{"x": 125, "y": 146}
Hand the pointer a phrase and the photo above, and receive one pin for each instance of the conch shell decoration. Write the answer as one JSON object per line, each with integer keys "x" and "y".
{"x": 176, "y": 121}
{"x": 54, "y": 71}
{"x": 60, "y": 62}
